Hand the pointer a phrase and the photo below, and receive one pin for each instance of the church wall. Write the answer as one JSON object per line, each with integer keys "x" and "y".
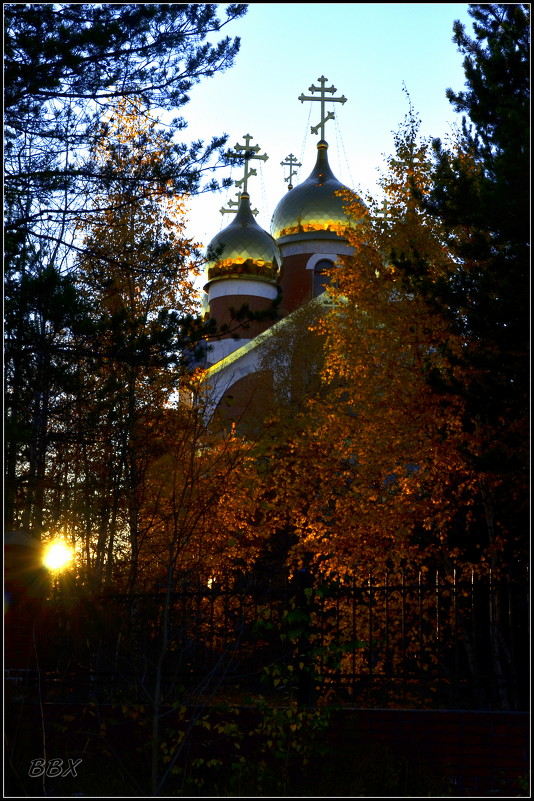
{"x": 248, "y": 400}
{"x": 220, "y": 311}
{"x": 295, "y": 282}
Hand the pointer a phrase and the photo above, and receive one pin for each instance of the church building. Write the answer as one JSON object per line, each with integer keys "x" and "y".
{"x": 283, "y": 269}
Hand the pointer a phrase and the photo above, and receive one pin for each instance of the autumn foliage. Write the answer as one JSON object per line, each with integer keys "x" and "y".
{"x": 368, "y": 462}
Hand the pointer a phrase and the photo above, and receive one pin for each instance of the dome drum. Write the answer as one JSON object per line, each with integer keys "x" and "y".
{"x": 223, "y": 308}
{"x": 246, "y": 285}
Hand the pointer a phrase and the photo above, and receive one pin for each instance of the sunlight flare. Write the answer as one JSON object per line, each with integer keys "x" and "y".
{"x": 57, "y": 556}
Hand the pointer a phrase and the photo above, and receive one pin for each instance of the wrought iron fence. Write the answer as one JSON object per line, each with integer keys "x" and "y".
{"x": 424, "y": 640}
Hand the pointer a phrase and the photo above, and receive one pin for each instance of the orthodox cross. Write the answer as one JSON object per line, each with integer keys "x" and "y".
{"x": 411, "y": 162}
{"x": 323, "y": 99}
{"x": 248, "y": 152}
{"x": 290, "y": 161}
{"x": 383, "y": 212}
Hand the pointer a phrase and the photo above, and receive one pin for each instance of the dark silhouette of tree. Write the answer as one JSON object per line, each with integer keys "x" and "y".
{"x": 480, "y": 194}
{"x": 63, "y": 63}
{"x": 136, "y": 272}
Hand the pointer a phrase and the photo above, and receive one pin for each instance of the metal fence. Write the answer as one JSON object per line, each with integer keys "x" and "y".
{"x": 421, "y": 640}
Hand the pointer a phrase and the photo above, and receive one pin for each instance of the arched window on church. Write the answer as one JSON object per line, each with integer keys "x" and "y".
{"x": 320, "y": 278}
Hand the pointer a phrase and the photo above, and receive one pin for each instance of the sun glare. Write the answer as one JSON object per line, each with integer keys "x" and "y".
{"x": 57, "y": 555}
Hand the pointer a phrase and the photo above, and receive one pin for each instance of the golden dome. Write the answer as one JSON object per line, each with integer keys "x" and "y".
{"x": 312, "y": 205}
{"x": 243, "y": 249}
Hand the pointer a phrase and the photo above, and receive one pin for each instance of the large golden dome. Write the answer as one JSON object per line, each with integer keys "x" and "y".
{"x": 312, "y": 205}
{"x": 243, "y": 249}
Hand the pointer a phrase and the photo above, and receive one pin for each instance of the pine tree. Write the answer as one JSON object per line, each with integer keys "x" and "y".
{"x": 63, "y": 62}
{"x": 44, "y": 314}
{"x": 480, "y": 195}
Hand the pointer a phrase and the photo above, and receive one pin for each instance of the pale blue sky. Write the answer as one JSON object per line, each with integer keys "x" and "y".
{"x": 366, "y": 50}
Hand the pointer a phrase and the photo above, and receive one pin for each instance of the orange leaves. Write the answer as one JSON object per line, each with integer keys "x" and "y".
{"x": 360, "y": 461}
{"x": 403, "y": 446}
{"x": 136, "y": 232}
{"x": 197, "y": 502}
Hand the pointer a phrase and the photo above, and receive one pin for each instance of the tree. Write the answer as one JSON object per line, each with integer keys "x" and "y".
{"x": 375, "y": 464}
{"x": 136, "y": 274}
{"x": 480, "y": 195}
{"x": 43, "y": 313}
{"x": 373, "y": 469}
{"x": 63, "y": 63}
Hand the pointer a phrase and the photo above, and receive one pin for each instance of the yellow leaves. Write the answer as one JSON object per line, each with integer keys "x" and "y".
{"x": 135, "y": 237}
{"x": 384, "y": 411}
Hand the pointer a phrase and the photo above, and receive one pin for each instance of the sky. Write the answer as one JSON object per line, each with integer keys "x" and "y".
{"x": 368, "y": 51}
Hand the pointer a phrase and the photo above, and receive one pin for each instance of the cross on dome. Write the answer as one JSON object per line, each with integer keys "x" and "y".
{"x": 290, "y": 161}
{"x": 412, "y": 162}
{"x": 383, "y": 213}
{"x": 323, "y": 99}
{"x": 248, "y": 152}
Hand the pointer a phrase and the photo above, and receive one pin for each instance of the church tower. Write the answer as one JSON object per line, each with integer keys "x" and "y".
{"x": 309, "y": 224}
{"x": 243, "y": 269}
{"x": 247, "y": 265}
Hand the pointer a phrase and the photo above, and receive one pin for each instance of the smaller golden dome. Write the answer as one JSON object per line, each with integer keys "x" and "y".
{"x": 243, "y": 249}
{"x": 312, "y": 205}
